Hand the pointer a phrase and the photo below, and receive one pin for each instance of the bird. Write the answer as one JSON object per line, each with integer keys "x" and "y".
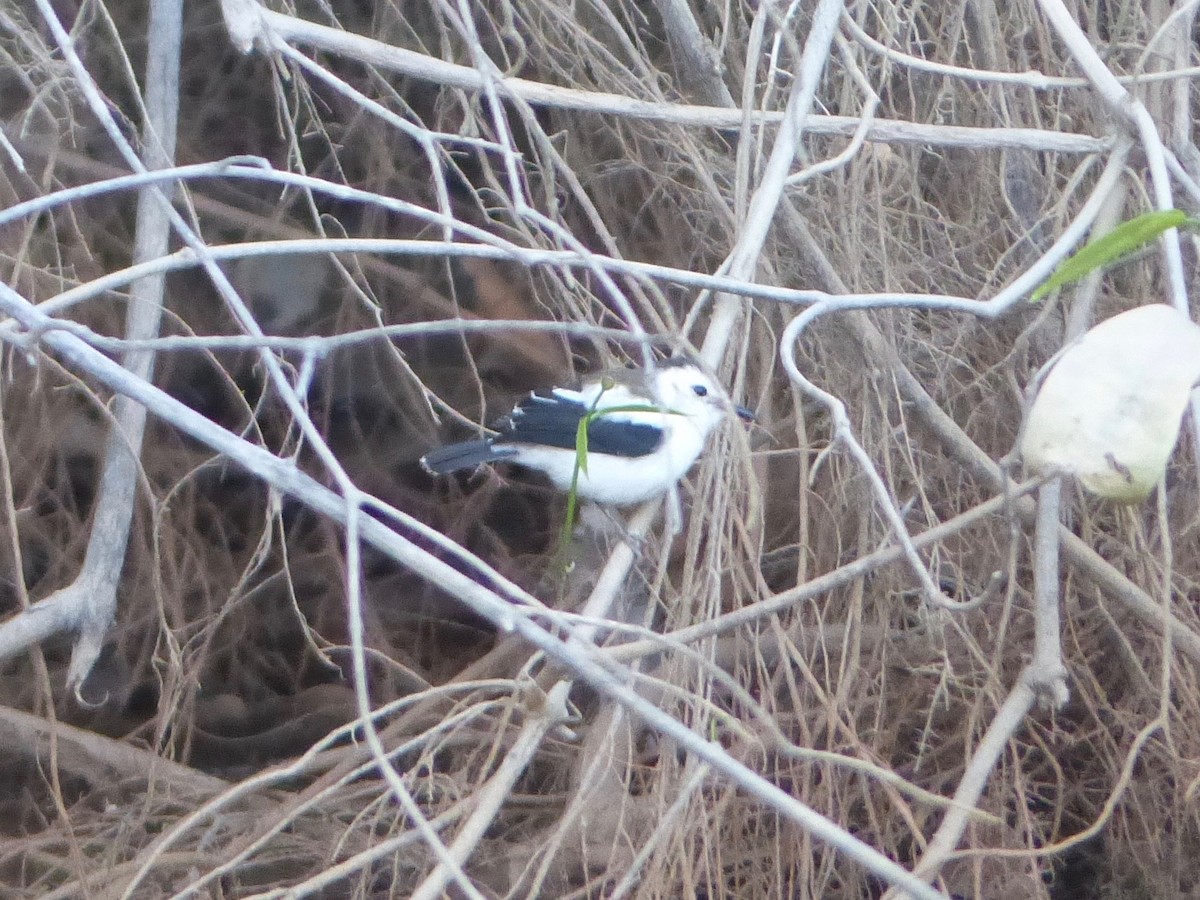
{"x": 645, "y": 431}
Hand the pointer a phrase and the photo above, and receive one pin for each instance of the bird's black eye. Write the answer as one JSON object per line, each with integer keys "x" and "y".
{"x": 699, "y": 390}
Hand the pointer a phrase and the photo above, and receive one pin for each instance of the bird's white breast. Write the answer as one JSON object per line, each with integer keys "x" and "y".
{"x": 623, "y": 480}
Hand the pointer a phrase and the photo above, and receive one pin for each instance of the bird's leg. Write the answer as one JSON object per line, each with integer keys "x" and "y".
{"x": 604, "y": 524}
{"x": 674, "y": 512}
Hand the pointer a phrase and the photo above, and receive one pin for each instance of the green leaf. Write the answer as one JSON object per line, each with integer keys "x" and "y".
{"x": 581, "y": 453}
{"x": 581, "y": 456}
{"x": 1123, "y": 240}
{"x": 581, "y": 447}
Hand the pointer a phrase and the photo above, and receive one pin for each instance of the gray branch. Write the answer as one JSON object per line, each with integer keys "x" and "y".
{"x": 89, "y": 603}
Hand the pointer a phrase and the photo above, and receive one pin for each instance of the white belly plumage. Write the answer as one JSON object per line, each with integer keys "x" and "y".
{"x": 620, "y": 480}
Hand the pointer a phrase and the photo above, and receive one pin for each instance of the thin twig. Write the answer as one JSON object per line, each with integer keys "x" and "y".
{"x": 544, "y": 714}
{"x": 274, "y": 27}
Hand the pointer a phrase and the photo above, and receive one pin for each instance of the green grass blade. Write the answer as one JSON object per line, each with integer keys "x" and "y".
{"x": 581, "y": 445}
{"x": 581, "y": 456}
{"x": 1123, "y": 240}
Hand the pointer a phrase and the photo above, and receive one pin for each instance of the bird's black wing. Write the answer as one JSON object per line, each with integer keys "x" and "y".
{"x": 552, "y": 420}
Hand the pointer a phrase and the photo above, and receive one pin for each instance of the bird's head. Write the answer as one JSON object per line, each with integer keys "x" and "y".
{"x": 683, "y": 388}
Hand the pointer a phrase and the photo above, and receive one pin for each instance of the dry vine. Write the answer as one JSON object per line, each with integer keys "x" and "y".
{"x": 274, "y": 658}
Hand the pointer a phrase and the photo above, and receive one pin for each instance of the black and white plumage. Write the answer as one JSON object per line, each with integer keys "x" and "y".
{"x": 632, "y": 455}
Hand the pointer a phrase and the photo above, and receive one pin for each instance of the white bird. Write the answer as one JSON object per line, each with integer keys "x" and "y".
{"x": 643, "y": 436}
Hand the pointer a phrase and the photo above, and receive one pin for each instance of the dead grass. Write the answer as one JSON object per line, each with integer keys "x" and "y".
{"x": 230, "y": 652}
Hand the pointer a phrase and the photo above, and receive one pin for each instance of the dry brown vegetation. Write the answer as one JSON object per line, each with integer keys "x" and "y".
{"x": 211, "y": 750}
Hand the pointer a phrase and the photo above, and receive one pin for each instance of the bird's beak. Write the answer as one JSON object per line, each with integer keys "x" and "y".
{"x": 744, "y": 414}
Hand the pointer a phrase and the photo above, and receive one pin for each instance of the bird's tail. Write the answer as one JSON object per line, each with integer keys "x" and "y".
{"x": 463, "y": 455}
